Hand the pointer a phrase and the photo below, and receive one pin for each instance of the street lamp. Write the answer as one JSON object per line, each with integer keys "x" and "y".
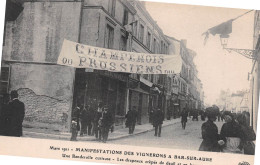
{"x": 248, "y": 53}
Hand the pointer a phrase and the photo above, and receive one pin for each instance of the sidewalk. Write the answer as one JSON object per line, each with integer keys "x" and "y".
{"x": 117, "y": 134}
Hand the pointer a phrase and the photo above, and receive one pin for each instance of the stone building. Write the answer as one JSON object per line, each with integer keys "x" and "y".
{"x": 32, "y": 42}
{"x": 147, "y": 92}
{"x": 31, "y": 47}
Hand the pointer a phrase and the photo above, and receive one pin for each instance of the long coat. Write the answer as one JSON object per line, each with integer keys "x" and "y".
{"x": 107, "y": 119}
{"x": 131, "y": 117}
{"x": 158, "y": 118}
{"x": 17, "y": 112}
{"x": 210, "y": 137}
{"x": 184, "y": 115}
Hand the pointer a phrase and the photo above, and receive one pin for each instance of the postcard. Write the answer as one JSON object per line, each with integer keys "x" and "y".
{"x": 129, "y": 82}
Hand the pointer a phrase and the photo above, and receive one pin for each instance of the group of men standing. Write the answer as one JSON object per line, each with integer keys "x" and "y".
{"x": 12, "y": 115}
{"x": 93, "y": 122}
{"x": 156, "y": 117}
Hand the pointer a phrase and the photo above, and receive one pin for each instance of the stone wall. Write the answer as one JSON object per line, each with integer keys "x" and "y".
{"x": 33, "y": 44}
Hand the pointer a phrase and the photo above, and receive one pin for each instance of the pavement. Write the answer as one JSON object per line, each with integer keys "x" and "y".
{"x": 117, "y": 134}
{"x": 173, "y": 137}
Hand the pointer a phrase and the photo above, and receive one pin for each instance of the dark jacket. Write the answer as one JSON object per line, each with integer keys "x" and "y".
{"x": 248, "y": 136}
{"x": 158, "y": 118}
{"x": 17, "y": 112}
{"x": 131, "y": 116}
{"x": 97, "y": 116}
{"x": 210, "y": 137}
{"x": 86, "y": 116}
{"x": 107, "y": 119}
{"x": 230, "y": 129}
{"x": 184, "y": 115}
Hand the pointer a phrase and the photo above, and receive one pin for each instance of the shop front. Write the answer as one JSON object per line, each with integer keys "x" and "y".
{"x": 139, "y": 98}
{"x": 109, "y": 88}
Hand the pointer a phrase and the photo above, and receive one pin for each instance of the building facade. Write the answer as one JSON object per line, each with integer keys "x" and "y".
{"x": 32, "y": 43}
{"x": 186, "y": 87}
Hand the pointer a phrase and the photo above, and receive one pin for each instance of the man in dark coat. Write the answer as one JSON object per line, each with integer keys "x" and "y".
{"x": 184, "y": 116}
{"x": 17, "y": 112}
{"x": 106, "y": 122}
{"x": 158, "y": 121}
{"x": 211, "y": 139}
{"x": 97, "y": 126}
{"x": 131, "y": 117}
{"x": 86, "y": 119}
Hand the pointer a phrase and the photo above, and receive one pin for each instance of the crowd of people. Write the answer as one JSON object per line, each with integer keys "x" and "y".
{"x": 98, "y": 121}
{"x": 11, "y": 115}
{"x": 236, "y": 136}
{"x": 92, "y": 122}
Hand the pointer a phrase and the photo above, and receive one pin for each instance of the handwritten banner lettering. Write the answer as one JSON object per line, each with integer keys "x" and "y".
{"x": 84, "y": 56}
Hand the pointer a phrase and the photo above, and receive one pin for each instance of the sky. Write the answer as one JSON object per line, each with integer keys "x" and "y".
{"x": 217, "y": 69}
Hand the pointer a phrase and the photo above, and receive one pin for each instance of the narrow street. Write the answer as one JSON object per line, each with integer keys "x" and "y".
{"x": 172, "y": 136}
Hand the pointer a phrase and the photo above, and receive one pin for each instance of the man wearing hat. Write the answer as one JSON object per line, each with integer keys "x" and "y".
{"x": 158, "y": 121}
{"x": 106, "y": 122}
{"x": 131, "y": 118}
{"x": 17, "y": 111}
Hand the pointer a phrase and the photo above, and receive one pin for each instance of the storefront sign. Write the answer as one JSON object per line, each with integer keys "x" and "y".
{"x": 83, "y": 56}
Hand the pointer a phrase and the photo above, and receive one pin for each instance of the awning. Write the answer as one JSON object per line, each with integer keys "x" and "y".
{"x": 146, "y": 82}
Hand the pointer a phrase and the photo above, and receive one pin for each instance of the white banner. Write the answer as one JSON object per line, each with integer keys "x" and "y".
{"x": 84, "y": 56}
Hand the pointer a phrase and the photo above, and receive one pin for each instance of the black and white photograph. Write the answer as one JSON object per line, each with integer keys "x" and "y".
{"x": 131, "y": 73}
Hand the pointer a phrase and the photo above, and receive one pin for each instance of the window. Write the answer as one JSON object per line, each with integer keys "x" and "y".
{"x": 111, "y": 7}
{"x": 161, "y": 79}
{"x": 123, "y": 43}
{"x": 141, "y": 33}
{"x": 109, "y": 37}
{"x": 135, "y": 29}
{"x": 125, "y": 18}
{"x": 4, "y": 80}
{"x": 148, "y": 41}
{"x": 162, "y": 47}
{"x": 154, "y": 45}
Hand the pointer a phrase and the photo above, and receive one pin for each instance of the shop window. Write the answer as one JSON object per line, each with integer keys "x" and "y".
{"x": 109, "y": 37}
